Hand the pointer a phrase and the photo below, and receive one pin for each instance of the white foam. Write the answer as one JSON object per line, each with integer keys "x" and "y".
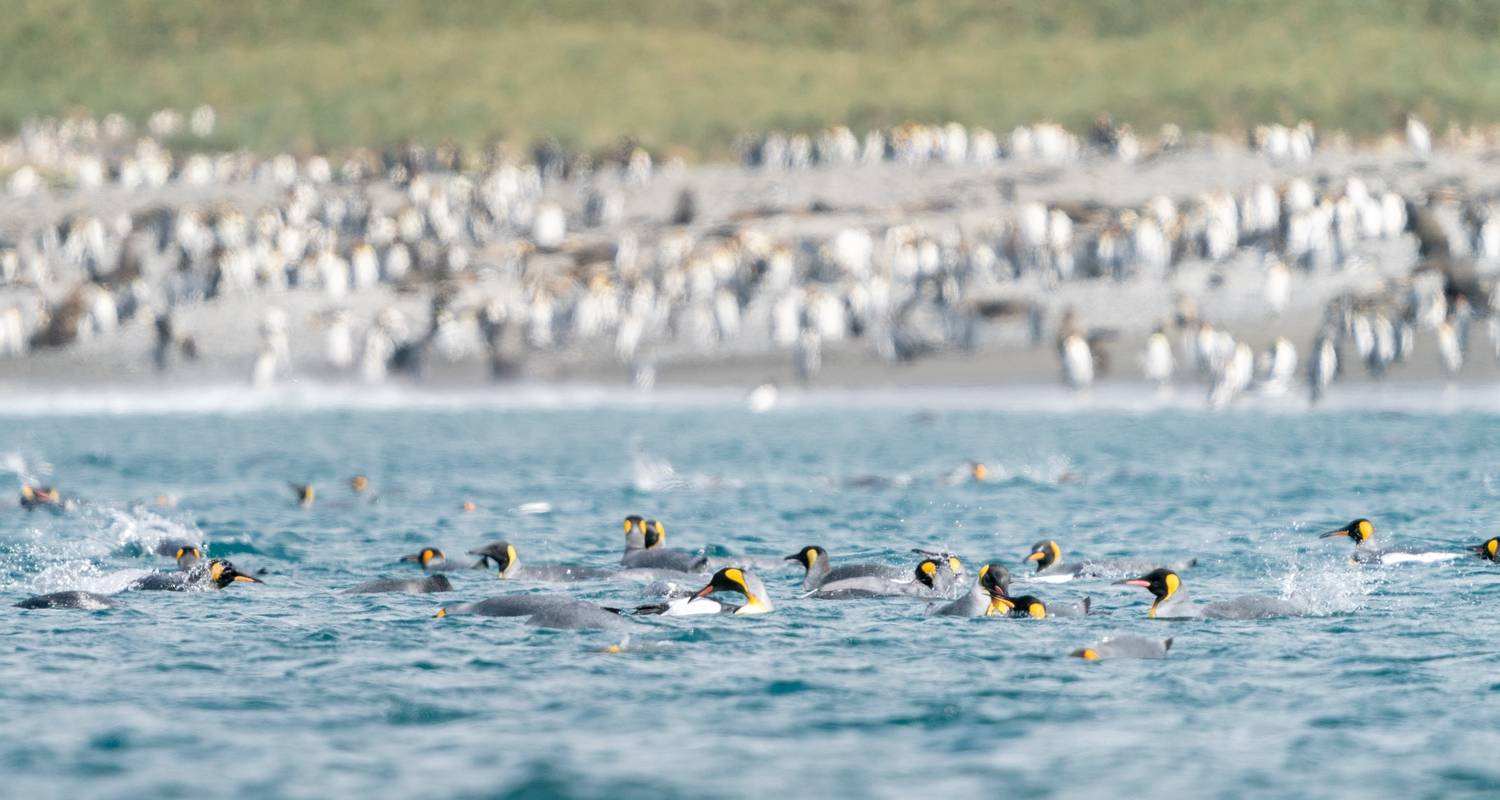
{"x": 18, "y": 399}
{"x": 1417, "y": 558}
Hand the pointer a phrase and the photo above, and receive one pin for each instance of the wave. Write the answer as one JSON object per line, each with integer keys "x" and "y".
{"x": 23, "y": 400}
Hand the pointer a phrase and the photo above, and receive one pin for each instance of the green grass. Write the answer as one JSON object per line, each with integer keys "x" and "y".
{"x": 678, "y": 73}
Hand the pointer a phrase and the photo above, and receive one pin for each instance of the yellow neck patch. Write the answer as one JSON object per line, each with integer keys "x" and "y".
{"x": 1173, "y": 584}
{"x": 1492, "y": 545}
{"x": 1037, "y": 611}
{"x": 811, "y": 555}
{"x": 955, "y": 565}
{"x": 999, "y": 605}
{"x": 1364, "y": 530}
{"x": 1055, "y": 551}
{"x": 928, "y": 568}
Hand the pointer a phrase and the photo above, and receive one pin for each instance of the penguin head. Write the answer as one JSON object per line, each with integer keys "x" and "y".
{"x": 1045, "y": 553}
{"x": 188, "y": 555}
{"x": 978, "y": 471}
{"x": 731, "y": 579}
{"x": 1028, "y": 607}
{"x": 359, "y": 484}
{"x": 305, "y": 493}
{"x": 1162, "y": 583}
{"x": 633, "y": 523}
{"x": 1086, "y": 653}
{"x": 1489, "y": 550}
{"x": 1358, "y": 531}
{"x": 656, "y": 533}
{"x": 808, "y": 556}
{"x": 427, "y": 556}
{"x": 995, "y": 580}
{"x": 502, "y": 553}
{"x": 953, "y": 562}
{"x": 927, "y": 571}
{"x": 222, "y": 573}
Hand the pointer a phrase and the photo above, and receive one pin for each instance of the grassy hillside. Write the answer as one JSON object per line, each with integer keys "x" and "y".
{"x": 285, "y": 73}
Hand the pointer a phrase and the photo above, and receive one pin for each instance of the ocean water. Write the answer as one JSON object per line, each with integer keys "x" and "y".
{"x": 1390, "y": 686}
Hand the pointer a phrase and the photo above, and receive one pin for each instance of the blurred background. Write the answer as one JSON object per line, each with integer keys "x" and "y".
{"x": 1220, "y": 201}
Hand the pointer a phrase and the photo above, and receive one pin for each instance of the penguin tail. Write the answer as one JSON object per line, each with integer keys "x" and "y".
{"x": 1088, "y": 603}
{"x": 1166, "y": 646}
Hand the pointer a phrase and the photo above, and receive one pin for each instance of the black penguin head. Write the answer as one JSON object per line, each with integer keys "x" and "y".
{"x": 426, "y": 556}
{"x": 728, "y": 579}
{"x": 926, "y": 572}
{"x": 222, "y": 573}
{"x": 953, "y": 561}
{"x": 1358, "y": 531}
{"x": 1162, "y": 583}
{"x": 502, "y": 554}
{"x": 1028, "y": 607}
{"x": 1489, "y": 550}
{"x": 808, "y": 556}
{"x": 305, "y": 493}
{"x": 994, "y": 579}
{"x": 656, "y": 533}
{"x": 1045, "y": 553}
{"x": 188, "y": 555}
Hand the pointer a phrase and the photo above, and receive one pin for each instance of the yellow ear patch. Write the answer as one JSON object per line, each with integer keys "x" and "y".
{"x": 1173, "y": 583}
{"x": 180, "y": 551}
{"x": 1037, "y": 611}
{"x": 1492, "y": 545}
{"x": 733, "y": 574}
{"x": 510, "y": 553}
{"x": 216, "y": 571}
{"x": 811, "y": 555}
{"x": 1055, "y": 550}
{"x": 628, "y": 526}
{"x": 928, "y": 568}
{"x": 1088, "y": 654}
{"x": 442, "y": 612}
{"x": 984, "y": 570}
{"x": 1366, "y": 530}
{"x": 955, "y": 565}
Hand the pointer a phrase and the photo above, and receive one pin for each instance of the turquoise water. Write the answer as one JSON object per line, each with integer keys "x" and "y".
{"x": 1388, "y": 688}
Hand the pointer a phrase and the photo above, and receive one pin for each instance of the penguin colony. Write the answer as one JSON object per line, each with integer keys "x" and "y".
{"x": 400, "y": 259}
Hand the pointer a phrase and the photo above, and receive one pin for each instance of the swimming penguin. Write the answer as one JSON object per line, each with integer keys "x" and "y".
{"x": 652, "y": 554}
{"x": 1362, "y": 532}
{"x": 186, "y": 553}
{"x": 427, "y": 585}
{"x": 1124, "y": 647}
{"x": 1050, "y": 567}
{"x": 544, "y": 611}
{"x": 819, "y": 571}
{"x": 1488, "y": 549}
{"x": 932, "y": 579}
{"x": 729, "y": 579}
{"x": 948, "y": 583}
{"x": 504, "y": 556}
{"x": 990, "y": 595}
{"x": 359, "y": 484}
{"x": 432, "y": 559}
{"x": 1173, "y": 603}
{"x": 305, "y": 494}
{"x": 88, "y": 601}
{"x": 34, "y": 497}
{"x": 216, "y": 573}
